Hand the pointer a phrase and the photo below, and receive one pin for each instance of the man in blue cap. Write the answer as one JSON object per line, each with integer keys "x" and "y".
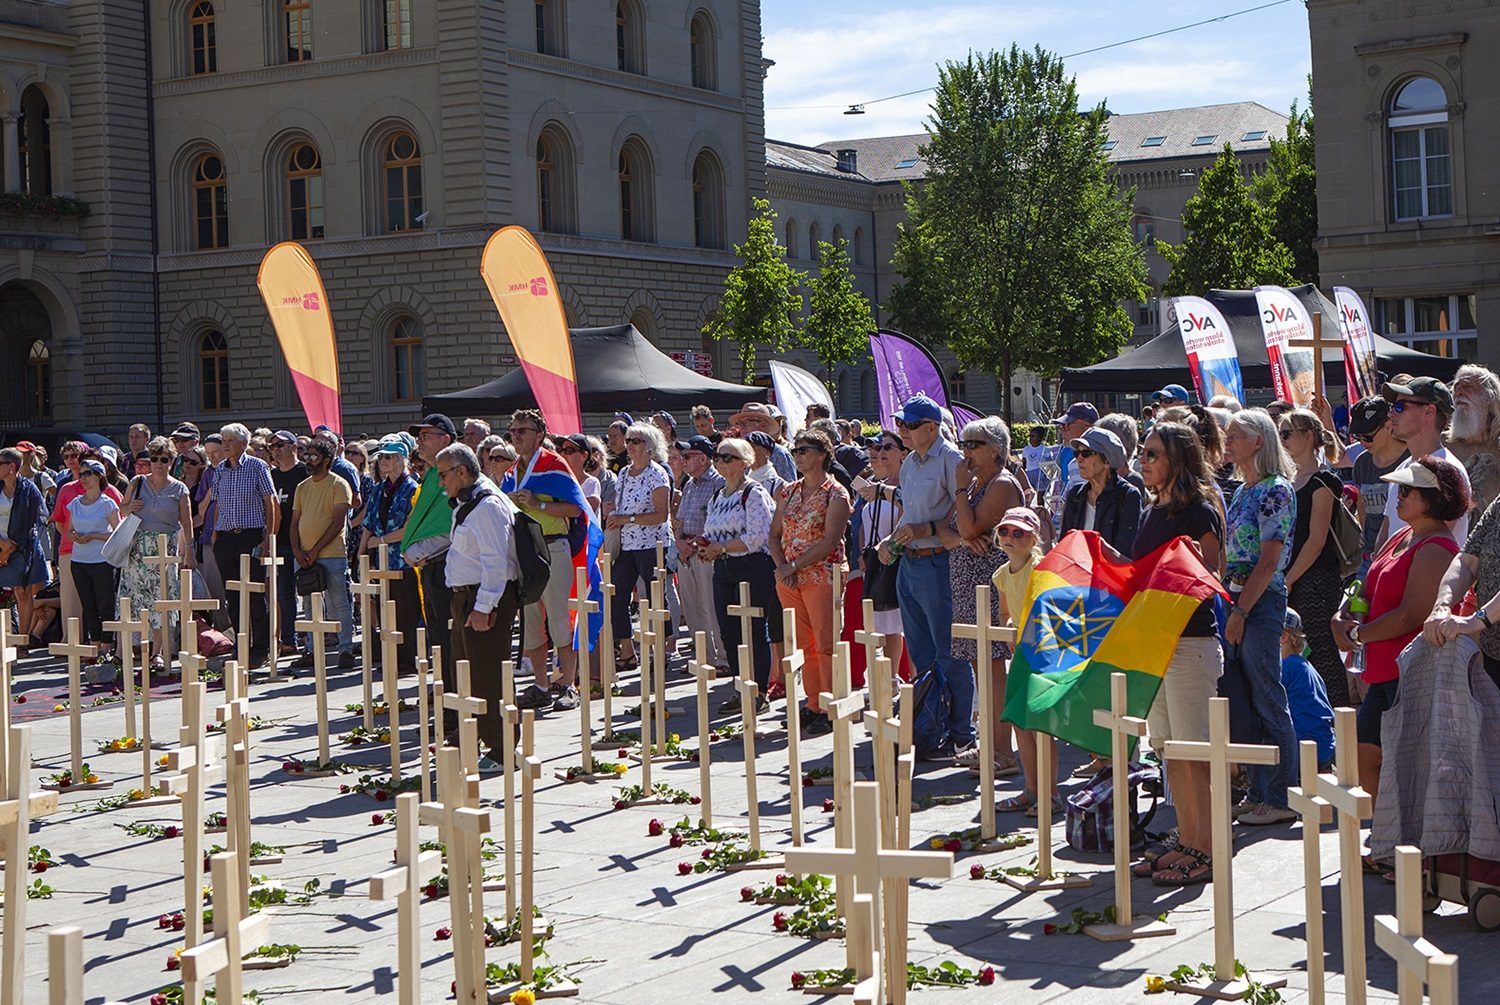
{"x": 929, "y": 486}
{"x": 1172, "y": 394}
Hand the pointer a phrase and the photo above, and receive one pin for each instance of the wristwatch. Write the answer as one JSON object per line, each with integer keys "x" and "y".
{"x": 1484, "y": 617}
{"x": 1354, "y": 636}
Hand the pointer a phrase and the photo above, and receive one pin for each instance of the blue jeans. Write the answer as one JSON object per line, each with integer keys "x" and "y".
{"x": 338, "y": 602}
{"x": 286, "y": 605}
{"x": 1252, "y": 682}
{"x": 925, "y": 596}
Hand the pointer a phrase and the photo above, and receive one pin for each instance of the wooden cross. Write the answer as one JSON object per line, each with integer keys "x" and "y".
{"x": 1353, "y": 804}
{"x": 705, "y": 671}
{"x": 791, "y": 663}
{"x": 8, "y": 643}
{"x": 1418, "y": 962}
{"x": 1122, "y": 727}
{"x": 747, "y": 616}
{"x": 1219, "y": 753}
{"x": 390, "y": 638}
{"x": 1045, "y": 878}
{"x": 461, "y": 828}
{"x": 184, "y": 607}
{"x": 164, "y": 561}
{"x": 221, "y": 957}
{"x": 272, "y": 563}
{"x": 836, "y": 592}
{"x": 891, "y": 736}
{"x": 864, "y": 940}
{"x": 65, "y": 966}
{"x": 245, "y": 586}
{"x": 531, "y": 770}
{"x": 317, "y": 628}
{"x": 510, "y": 716}
{"x": 649, "y": 641}
{"x": 127, "y": 631}
{"x": 868, "y": 864}
{"x": 197, "y": 761}
{"x": 1315, "y": 813}
{"x": 383, "y": 574}
{"x": 466, "y": 706}
{"x": 424, "y": 670}
{"x": 368, "y": 593}
{"x": 984, "y": 633}
{"x": 403, "y": 884}
{"x": 75, "y": 650}
{"x": 874, "y": 643}
{"x": 235, "y": 719}
{"x": 748, "y": 692}
{"x": 1317, "y": 344}
{"x": 17, "y": 809}
{"x": 607, "y": 642}
{"x": 666, "y": 631}
{"x": 582, "y": 607}
{"x": 843, "y": 710}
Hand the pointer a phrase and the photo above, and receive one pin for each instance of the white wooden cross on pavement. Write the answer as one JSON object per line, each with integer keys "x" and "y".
{"x": 17, "y": 809}
{"x": 127, "y": 630}
{"x": 607, "y": 643}
{"x": 234, "y": 934}
{"x": 791, "y": 663}
{"x": 984, "y": 633}
{"x": 198, "y": 761}
{"x": 368, "y": 591}
{"x": 466, "y": 706}
{"x": 1122, "y": 727}
{"x": 8, "y": 643}
{"x": 1418, "y": 962}
{"x": 705, "y": 672}
{"x": 582, "y": 607}
{"x": 65, "y": 966}
{"x": 747, "y": 616}
{"x": 1353, "y": 804}
{"x": 390, "y": 638}
{"x": 75, "y": 650}
{"x": 403, "y": 884}
{"x": 245, "y": 586}
{"x": 461, "y": 828}
{"x": 1315, "y": 812}
{"x": 317, "y": 627}
{"x": 272, "y": 563}
{"x": 843, "y": 710}
{"x": 185, "y": 607}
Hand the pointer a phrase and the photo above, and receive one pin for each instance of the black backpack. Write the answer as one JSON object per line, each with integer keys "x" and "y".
{"x": 532, "y": 556}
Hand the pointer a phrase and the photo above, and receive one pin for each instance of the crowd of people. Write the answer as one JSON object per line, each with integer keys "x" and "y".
{"x": 1337, "y": 539}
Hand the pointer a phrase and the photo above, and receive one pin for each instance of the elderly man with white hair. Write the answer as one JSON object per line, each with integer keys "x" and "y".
{"x": 245, "y": 518}
{"x": 1474, "y": 435}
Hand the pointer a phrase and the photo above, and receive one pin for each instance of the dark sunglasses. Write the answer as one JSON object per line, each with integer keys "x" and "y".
{"x": 726, "y": 458}
{"x": 804, "y": 448}
{"x": 191, "y": 460}
{"x": 1152, "y": 456}
{"x": 903, "y": 424}
{"x": 569, "y": 450}
{"x": 634, "y": 441}
{"x": 1405, "y": 490}
{"x": 160, "y": 459}
{"x": 498, "y": 458}
{"x": 1403, "y": 404}
{"x": 972, "y": 444}
{"x": 1013, "y": 532}
{"x": 1083, "y": 453}
{"x": 1365, "y": 437}
{"x": 1286, "y": 434}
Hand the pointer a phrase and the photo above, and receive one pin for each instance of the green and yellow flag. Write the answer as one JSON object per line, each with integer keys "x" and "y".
{"x": 1088, "y": 617}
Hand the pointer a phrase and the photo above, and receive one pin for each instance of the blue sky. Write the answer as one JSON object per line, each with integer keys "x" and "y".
{"x": 846, "y": 51}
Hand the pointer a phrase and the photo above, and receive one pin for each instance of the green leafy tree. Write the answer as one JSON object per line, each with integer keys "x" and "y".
{"x": 1026, "y": 234}
{"x": 1289, "y": 189}
{"x": 839, "y": 320}
{"x": 918, "y": 305}
{"x": 761, "y": 295}
{"x": 1230, "y": 244}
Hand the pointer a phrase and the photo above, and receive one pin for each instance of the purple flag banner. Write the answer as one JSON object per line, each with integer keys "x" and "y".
{"x": 904, "y": 367}
{"x": 964, "y": 414}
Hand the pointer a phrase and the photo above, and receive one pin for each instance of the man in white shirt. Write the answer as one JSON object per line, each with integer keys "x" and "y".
{"x": 1420, "y": 410}
{"x": 481, "y": 573}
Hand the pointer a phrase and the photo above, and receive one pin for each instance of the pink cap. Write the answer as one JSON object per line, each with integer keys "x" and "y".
{"x": 1021, "y": 516}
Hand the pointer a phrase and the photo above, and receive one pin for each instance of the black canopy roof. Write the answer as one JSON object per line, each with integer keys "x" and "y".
{"x": 617, "y": 370}
{"x": 1162, "y": 360}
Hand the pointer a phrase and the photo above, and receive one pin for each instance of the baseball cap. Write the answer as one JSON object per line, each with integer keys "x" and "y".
{"x": 285, "y": 436}
{"x": 919, "y": 408}
{"x": 1102, "y": 442}
{"x": 393, "y": 445}
{"x": 26, "y": 447}
{"x": 1022, "y": 517}
{"x": 1293, "y": 620}
{"x": 702, "y": 444}
{"x": 185, "y": 431}
{"x": 436, "y": 420}
{"x": 1428, "y": 389}
{"x": 1079, "y": 410}
{"x": 213, "y": 438}
{"x": 671, "y": 420}
{"x": 1368, "y": 415}
{"x": 1176, "y": 391}
{"x": 1416, "y": 475}
{"x": 94, "y": 466}
{"x": 756, "y": 438}
{"x": 578, "y": 440}
{"x": 624, "y": 417}
{"x": 109, "y": 453}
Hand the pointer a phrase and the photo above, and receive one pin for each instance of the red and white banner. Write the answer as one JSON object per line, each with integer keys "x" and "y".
{"x": 1361, "y": 368}
{"x": 1283, "y": 319}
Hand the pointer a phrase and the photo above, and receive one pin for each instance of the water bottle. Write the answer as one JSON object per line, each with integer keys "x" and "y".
{"x": 1358, "y": 607}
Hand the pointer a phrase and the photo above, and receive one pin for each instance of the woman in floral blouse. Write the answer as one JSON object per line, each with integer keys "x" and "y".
{"x": 387, "y": 507}
{"x": 1261, "y": 518}
{"x": 807, "y": 545}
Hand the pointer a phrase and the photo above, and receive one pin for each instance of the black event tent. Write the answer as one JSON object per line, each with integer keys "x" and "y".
{"x": 617, "y": 370}
{"x": 1162, "y": 360}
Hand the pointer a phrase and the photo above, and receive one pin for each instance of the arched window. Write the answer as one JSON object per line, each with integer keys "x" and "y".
{"x": 702, "y": 47}
{"x": 554, "y": 181}
{"x": 549, "y": 27}
{"x": 958, "y": 385}
{"x": 837, "y": 236}
{"x": 645, "y": 323}
{"x": 630, "y": 37}
{"x": 408, "y": 359}
{"x": 397, "y": 24}
{"x": 814, "y": 237}
{"x": 859, "y": 245}
{"x": 792, "y": 235}
{"x": 202, "y": 47}
{"x": 213, "y": 372}
{"x": 637, "y": 219}
{"x": 210, "y": 203}
{"x": 867, "y": 391}
{"x": 34, "y": 141}
{"x": 39, "y": 377}
{"x": 1421, "y": 155}
{"x": 401, "y": 166}
{"x": 304, "y": 193}
{"x": 297, "y": 18}
{"x": 708, "y": 202}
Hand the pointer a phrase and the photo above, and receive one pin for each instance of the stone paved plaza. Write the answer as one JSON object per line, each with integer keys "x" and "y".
{"x": 620, "y": 907}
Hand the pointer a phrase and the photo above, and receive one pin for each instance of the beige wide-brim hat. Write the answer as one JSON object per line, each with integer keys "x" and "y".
{"x": 754, "y": 410}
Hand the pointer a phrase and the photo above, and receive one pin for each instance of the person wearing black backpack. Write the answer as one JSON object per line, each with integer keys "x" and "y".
{"x": 481, "y": 574}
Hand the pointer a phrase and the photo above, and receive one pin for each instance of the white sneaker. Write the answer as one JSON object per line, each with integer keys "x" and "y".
{"x": 1266, "y": 814}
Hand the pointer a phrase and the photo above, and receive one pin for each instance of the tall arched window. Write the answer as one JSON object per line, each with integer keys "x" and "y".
{"x": 793, "y": 235}
{"x": 630, "y": 37}
{"x": 304, "y": 193}
{"x": 408, "y": 360}
{"x": 202, "y": 46}
{"x": 637, "y": 218}
{"x": 708, "y": 202}
{"x": 34, "y": 141}
{"x": 549, "y": 27}
{"x": 814, "y": 236}
{"x": 297, "y": 18}
{"x": 837, "y": 235}
{"x": 401, "y": 165}
{"x": 1421, "y": 154}
{"x": 645, "y": 323}
{"x": 210, "y": 203}
{"x": 859, "y": 245}
{"x": 39, "y": 377}
{"x": 213, "y": 372}
{"x": 397, "y": 24}
{"x": 702, "y": 48}
{"x": 554, "y": 181}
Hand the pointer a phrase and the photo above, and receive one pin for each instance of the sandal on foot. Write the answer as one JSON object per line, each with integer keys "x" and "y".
{"x": 1014, "y": 804}
{"x": 1147, "y": 865}
{"x": 1057, "y": 808}
{"x": 158, "y": 665}
{"x": 1198, "y": 868}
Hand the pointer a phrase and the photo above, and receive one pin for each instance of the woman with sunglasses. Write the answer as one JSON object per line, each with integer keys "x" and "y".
{"x": 986, "y": 491}
{"x": 497, "y": 457}
{"x": 23, "y": 560}
{"x": 1103, "y": 502}
{"x": 1312, "y": 578}
{"x": 161, "y": 503}
{"x": 1184, "y": 502}
{"x": 736, "y": 539}
{"x": 91, "y": 516}
{"x": 387, "y": 508}
{"x": 198, "y": 477}
{"x": 72, "y": 452}
{"x": 879, "y": 514}
{"x": 644, "y": 506}
{"x": 807, "y": 545}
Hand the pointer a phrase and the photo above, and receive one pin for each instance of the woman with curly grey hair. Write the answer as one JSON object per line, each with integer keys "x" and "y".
{"x": 642, "y": 509}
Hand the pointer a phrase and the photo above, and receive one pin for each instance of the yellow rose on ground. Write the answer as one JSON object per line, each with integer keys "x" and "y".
{"x": 137, "y": 794}
{"x": 936, "y": 843}
{"x": 163, "y": 760}
{"x": 523, "y": 997}
{"x": 1155, "y": 985}
{"x": 59, "y": 708}
{"x": 91, "y": 778}
{"x": 620, "y": 769}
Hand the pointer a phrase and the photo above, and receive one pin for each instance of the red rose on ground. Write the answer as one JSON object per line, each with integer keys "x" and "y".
{"x": 381, "y": 795}
{"x": 287, "y": 766}
{"x": 377, "y": 818}
{"x": 443, "y": 934}
{"x": 976, "y": 871}
{"x": 430, "y": 891}
{"x": 746, "y": 893}
{"x": 655, "y": 827}
{"x": 20, "y": 699}
{"x": 954, "y": 844}
{"x": 39, "y": 867}
{"x": 695, "y": 800}
{"x": 158, "y": 999}
{"x": 675, "y": 840}
{"x": 63, "y": 783}
{"x": 178, "y": 922}
{"x": 621, "y": 752}
{"x": 986, "y": 976}
{"x": 683, "y": 868}
{"x": 173, "y": 962}
{"x": 1049, "y": 929}
{"x": 807, "y": 781}
{"x": 343, "y": 790}
{"x": 782, "y": 879}
{"x": 828, "y": 806}
{"x": 778, "y": 921}
{"x": 620, "y": 804}
{"x": 164, "y": 922}
{"x": 798, "y": 978}
{"x": 169, "y": 831}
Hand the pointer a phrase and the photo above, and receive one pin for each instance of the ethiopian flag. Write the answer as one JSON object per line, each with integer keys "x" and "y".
{"x": 1088, "y": 617}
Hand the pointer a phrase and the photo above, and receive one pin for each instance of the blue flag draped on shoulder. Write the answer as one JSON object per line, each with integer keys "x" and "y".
{"x": 550, "y": 476}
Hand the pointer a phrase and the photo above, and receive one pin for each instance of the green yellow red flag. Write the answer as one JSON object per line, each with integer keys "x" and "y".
{"x": 1087, "y": 617}
{"x": 294, "y": 296}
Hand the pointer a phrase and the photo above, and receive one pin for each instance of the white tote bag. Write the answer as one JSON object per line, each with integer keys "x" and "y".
{"x": 117, "y": 548}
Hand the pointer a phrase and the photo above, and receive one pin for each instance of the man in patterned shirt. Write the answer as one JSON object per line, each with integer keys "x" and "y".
{"x": 695, "y": 576}
{"x": 245, "y": 518}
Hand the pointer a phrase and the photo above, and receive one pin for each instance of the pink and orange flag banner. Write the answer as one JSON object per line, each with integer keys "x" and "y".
{"x": 525, "y": 292}
{"x": 294, "y": 295}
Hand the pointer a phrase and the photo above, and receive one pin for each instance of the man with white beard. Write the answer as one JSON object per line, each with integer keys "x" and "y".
{"x": 1474, "y": 436}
